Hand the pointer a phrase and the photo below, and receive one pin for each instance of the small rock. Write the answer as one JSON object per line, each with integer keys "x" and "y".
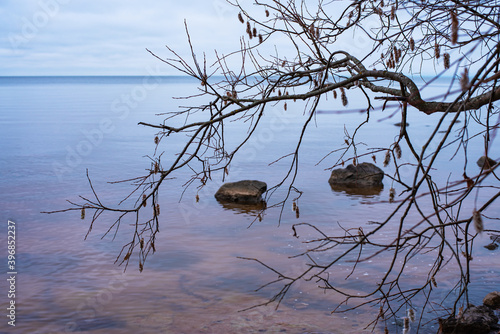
{"x": 485, "y": 162}
{"x": 475, "y": 320}
{"x": 492, "y": 300}
{"x": 242, "y": 192}
{"x": 491, "y": 246}
{"x": 362, "y": 175}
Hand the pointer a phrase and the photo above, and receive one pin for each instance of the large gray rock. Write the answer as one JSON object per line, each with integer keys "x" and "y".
{"x": 492, "y": 300}
{"x": 242, "y": 192}
{"x": 475, "y": 320}
{"x": 362, "y": 175}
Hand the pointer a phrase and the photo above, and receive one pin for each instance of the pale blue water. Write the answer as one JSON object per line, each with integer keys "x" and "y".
{"x": 54, "y": 129}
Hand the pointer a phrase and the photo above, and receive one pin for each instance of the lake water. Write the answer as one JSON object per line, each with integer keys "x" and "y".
{"x": 55, "y": 129}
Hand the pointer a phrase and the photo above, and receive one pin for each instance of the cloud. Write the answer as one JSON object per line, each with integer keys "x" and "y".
{"x": 77, "y": 37}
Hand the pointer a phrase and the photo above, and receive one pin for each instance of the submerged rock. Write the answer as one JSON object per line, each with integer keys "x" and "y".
{"x": 242, "y": 192}
{"x": 363, "y": 175}
{"x": 492, "y": 300}
{"x": 495, "y": 239}
{"x": 492, "y": 246}
{"x": 485, "y": 162}
{"x": 475, "y": 320}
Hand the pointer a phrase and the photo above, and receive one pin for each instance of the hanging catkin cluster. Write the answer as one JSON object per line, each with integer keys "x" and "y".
{"x": 446, "y": 60}
{"x": 343, "y": 97}
{"x": 437, "y": 51}
{"x": 454, "y": 28}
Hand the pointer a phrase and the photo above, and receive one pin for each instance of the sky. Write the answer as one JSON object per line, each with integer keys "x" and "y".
{"x": 109, "y": 37}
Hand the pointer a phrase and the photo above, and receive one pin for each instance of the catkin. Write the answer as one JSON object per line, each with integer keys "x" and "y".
{"x": 387, "y": 158}
{"x": 392, "y": 193}
{"x": 406, "y": 323}
{"x": 446, "y": 60}
{"x": 478, "y": 221}
{"x": 343, "y": 97}
{"x": 454, "y": 28}
{"x": 464, "y": 80}
{"x": 397, "y": 150}
{"x": 312, "y": 31}
{"x": 412, "y": 44}
{"x": 411, "y": 315}
{"x": 249, "y": 29}
{"x": 82, "y": 213}
{"x": 361, "y": 235}
{"x": 240, "y": 17}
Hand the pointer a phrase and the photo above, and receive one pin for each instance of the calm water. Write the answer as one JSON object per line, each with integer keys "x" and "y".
{"x": 54, "y": 129}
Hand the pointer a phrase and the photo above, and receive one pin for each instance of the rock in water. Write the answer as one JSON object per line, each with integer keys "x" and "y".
{"x": 363, "y": 175}
{"x": 242, "y": 192}
{"x": 492, "y": 300}
{"x": 475, "y": 320}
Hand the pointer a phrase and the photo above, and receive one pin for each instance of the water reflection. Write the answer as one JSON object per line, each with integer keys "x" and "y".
{"x": 249, "y": 209}
{"x": 357, "y": 191}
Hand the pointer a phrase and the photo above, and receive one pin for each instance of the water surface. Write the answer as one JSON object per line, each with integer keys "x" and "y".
{"x": 54, "y": 130}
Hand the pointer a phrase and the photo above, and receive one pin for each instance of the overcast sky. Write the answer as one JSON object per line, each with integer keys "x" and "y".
{"x": 108, "y": 37}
